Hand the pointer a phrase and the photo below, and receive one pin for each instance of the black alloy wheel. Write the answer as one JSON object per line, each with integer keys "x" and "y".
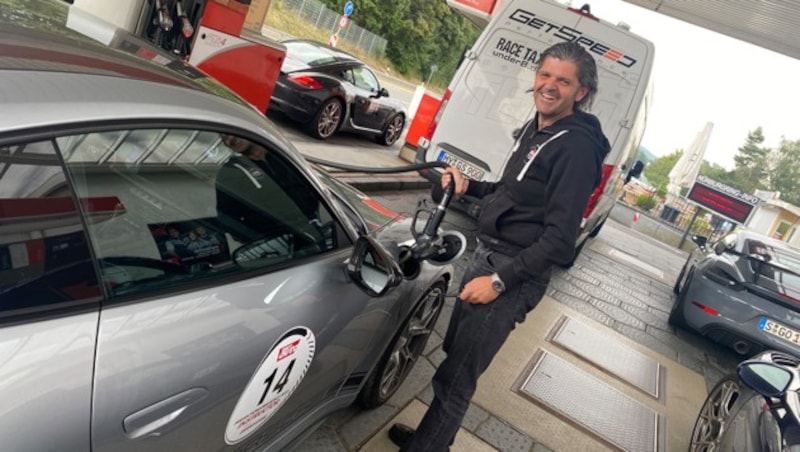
{"x": 676, "y": 317}
{"x": 407, "y": 346}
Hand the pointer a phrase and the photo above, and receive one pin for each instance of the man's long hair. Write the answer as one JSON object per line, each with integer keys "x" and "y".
{"x": 587, "y": 68}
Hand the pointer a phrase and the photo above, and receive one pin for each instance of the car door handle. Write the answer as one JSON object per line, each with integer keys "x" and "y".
{"x": 150, "y": 420}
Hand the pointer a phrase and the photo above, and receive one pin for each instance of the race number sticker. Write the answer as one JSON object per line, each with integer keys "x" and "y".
{"x": 273, "y": 383}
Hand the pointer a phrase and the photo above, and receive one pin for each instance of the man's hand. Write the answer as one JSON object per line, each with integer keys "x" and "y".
{"x": 479, "y": 291}
{"x": 461, "y": 182}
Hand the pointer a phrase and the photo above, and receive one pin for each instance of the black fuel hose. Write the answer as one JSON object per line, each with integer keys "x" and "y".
{"x": 375, "y": 170}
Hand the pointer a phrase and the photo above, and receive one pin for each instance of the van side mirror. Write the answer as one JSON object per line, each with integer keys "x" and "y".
{"x": 636, "y": 171}
{"x": 372, "y": 268}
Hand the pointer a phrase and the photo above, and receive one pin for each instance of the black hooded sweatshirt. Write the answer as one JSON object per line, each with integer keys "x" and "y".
{"x": 535, "y": 210}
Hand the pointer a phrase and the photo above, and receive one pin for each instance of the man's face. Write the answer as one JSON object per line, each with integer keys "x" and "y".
{"x": 556, "y": 89}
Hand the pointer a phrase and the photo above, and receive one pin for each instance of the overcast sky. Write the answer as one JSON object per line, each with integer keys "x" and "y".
{"x": 702, "y": 76}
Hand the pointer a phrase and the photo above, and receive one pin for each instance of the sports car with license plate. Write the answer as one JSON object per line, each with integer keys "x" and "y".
{"x": 329, "y": 90}
{"x": 173, "y": 274}
{"x": 742, "y": 291}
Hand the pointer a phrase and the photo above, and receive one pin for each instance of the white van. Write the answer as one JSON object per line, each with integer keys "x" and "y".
{"x": 487, "y": 100}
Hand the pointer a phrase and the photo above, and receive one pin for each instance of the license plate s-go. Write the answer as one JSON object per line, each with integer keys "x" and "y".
{"x": 466, "y": 168}
{"x": 778, "y": 330}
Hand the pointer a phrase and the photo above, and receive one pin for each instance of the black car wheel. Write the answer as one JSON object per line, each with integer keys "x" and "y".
{"x": 676, "y": 317}
{"x": 715, "y": 415}
{"x": 407, "y": 346}
{"x": 392, "y": 131}
{"x": 677, "y": 287}
{"x": 327, "y": 120}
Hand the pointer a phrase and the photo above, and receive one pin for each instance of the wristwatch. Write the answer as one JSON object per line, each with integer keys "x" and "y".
{"x": 497, "y": 283}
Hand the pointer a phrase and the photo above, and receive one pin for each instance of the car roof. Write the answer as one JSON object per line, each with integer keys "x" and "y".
{"x": 303, "y": 54}
{"x": 51, "y": 74}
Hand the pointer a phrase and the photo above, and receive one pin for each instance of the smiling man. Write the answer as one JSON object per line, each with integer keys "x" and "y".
{"x": 529, "y": 222}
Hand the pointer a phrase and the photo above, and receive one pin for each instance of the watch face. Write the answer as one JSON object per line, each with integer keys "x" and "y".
{"x": 497, "y": 286}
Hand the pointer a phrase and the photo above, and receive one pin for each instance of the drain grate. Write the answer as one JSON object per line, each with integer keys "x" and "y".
{"x": 609, "y": 354}
{"x": 590, "y": 403}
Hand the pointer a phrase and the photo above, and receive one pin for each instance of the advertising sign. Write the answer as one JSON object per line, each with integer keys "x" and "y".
{"x": 722, "y": 199}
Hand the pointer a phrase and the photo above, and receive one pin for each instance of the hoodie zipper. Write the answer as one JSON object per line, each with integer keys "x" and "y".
{"x": 532, "y": 155}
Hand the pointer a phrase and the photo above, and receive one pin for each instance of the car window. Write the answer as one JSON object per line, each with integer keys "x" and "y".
{"x": 44, "y": 255}
{"x": 365, "y": 79}
{"x": 773, "y": 267}
{"x": 193, "y": 206}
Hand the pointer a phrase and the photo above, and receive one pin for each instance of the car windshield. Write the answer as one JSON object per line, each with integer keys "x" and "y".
{"x": 774, "y": 268}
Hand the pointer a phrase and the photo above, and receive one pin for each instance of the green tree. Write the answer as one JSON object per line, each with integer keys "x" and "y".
{"x": 420, "y": 34}
{"x": 753, "y": 163}
{"x": 786, "y": 176}
{"x": 719, "y": 174}
{"x": 657, "y": 172}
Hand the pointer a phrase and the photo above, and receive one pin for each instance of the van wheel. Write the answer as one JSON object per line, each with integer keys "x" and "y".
{"x": 327, "y": 120}
{"x": 392, "y": 131}
{"x": 597, "y": 228}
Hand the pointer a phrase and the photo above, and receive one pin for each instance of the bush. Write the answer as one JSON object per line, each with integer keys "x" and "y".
{"x": 645, "y": 202}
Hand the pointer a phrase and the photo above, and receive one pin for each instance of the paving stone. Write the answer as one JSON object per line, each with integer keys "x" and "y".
{"x": 644, "y": 314}
{"x": 539, "y": 447}
{"x": 474, "y": 417}
{"x": 618, "y": 314}
{"x": 584, "y": 308}
{"x": 435, "y": 340}
{"x": 363, "y": 426}
{"x": 324, "y": 439}
{"x": 426, "y": 396}
{"x": 419, "y": 377}
{"x": 437, "y": 356}
{"x": 503, "y": 437}
{"x": 646, "y": 340}
{"x": 444, "y": 319}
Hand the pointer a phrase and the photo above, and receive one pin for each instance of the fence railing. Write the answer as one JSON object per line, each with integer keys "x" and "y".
{"x": 321, "y": 17}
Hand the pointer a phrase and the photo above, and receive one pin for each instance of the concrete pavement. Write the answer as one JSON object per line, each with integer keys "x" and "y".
{"x": 618, "y": 295}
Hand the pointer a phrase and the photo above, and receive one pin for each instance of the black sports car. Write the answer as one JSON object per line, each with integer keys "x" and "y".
{"x": 330, "y": 90}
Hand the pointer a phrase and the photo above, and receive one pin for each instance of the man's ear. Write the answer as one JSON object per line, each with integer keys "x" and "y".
{"x": 582, "y": 92}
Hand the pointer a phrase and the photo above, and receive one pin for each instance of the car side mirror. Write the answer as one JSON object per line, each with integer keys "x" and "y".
{"x": 700, "y": 240}
{"x": 383, "y": 92}
{"x": 767, "y": 379}
{"x": 636, "y": 171}
{"x": 372, "y": 268}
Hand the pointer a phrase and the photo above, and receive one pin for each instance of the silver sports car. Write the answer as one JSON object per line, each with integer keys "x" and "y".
{"x": 742, "y": 291}
{"x": 173, "y": 275}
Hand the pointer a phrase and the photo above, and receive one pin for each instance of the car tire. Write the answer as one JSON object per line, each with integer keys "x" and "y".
{"x": 597, "y": 228}
{"x": 327, "y": 120}
{"x": 676, "y": 289}
{"x": 398, "y": 360}
{"x": 392, "y": 131}
{"x": 715, "y": 414}
{"x": 676, "y": 316}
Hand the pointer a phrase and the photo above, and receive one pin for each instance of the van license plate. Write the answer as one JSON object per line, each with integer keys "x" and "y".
{"x": 783, "y": 332}
{"x": 466, "y": 168}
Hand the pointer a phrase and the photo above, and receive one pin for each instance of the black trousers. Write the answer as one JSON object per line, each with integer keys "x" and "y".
{"x": 474, "y": 336}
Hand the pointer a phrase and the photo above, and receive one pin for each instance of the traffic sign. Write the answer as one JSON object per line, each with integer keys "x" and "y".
{"x": 343, "y": 22}
{"x": 348, "y": 8}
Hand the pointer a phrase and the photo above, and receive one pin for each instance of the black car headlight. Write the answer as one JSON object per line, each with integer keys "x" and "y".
{"x": 722, "y": 276}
